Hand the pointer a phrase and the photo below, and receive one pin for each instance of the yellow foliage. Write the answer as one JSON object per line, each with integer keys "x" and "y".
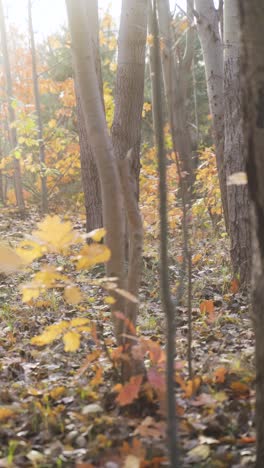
{"x": 71, "y": 341}
{"x": 45, "y": 278}
{"x": 79, "y": 322}
{"x": 92, "y": 254}
{"x": 97, "y": 234}
{"x": 110, "y": 300}
{"x": 48, "y": 277}
{"x": 29, "y": 250}
{"x": 10, "y": 261}
{"x": 57, "y": 235}
{"x": 6, "y": 413}
{"x": 50, "y": 334}
{"x": 29, "y": 292}
{"x": 57, "y": 392}
{"x": 72, "y": 295}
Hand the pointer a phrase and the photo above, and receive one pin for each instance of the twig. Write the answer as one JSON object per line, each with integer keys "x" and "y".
{"x": 167, "y": 302}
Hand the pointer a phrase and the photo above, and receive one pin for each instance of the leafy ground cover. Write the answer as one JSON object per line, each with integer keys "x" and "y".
{"x": 61, "y": 408}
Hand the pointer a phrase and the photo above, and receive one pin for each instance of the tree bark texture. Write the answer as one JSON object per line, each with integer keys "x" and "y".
{"x": 89, "y": 172}
{"x": 234, "y": 147}
{"x": 44, "y": 191}
{"x": 252, "y": 20}
{"x": 208, "y": 30}
{"x": 175, "y": 73}
{"x": 129, "y": 89}
{"x": 11, "y": 113}
{"x": 96, "y": 127}
{"x": 90, "y": 179}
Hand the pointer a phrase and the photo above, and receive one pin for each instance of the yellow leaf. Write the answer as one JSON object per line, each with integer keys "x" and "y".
{"x": 109, "y": 300}
{"x": 97, "y": 234}
{"x": 72, "y": 295}
{"x": 84, "y": 329}
{"x": 57, "y": 234}
{"x": 29, "y": 292}
{"x": 71, "y": 341}
{"x": 10, "y": 261}
{"x": 57, "y": 392}
{"x": 196, "y": 258}
{"x": 79, "y": 322}
{"x": 50, "y": 334}
{"x": 52, "y": 123}
{"x": 6, "y": 413}
{"x": 29, "y": 250}
{"x": 48, "y": 276}
{"x": 92, "y": 254}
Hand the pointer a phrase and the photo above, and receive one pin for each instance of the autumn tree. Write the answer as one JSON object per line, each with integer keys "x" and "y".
{"x": 115, "y": 195}
{"x": 209, "y": 33}
{"x": 129, "y": 88}
{"x": 11, "y": 112}
{"x": 234, "y": 146}
{"x": 252, "y": 20}
{"x": 90, "y": 177}
{"x": 221, "y": 57}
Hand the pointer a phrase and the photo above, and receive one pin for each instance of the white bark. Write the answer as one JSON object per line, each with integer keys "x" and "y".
{"x": 209, "y": 34}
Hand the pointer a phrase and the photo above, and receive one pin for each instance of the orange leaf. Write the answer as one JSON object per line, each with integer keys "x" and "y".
{"x": 247, "y": 440}
{"x": 192, "y": 386}
{"x": 129, "y": 391}
{"x": 156, "y": 379}
{"x": 239, "y": 388}
{"x": 234, "y": 286}
{"x": 207, "y": 306}
{"x": 220, "y": 374}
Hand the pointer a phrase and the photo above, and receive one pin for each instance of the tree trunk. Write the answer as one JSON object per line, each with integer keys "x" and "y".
{"x": 129, "y": 90}
{"x": 167, "y": 303}
{"x": 44, "y": 192}
{"x": 116, "y": 182}
{"x": 208, "y": 30}
{"x": 96, "y": 127}
{"x": 252, "y": 20}
{"x": 175, "y": 74}
{"x": 11, "y": 112}
{"x": 89, "y": 172}
{"x": 126, "y": 131}
{"x": 237, "y": 195}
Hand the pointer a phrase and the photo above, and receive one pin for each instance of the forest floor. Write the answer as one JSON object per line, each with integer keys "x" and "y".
{"x": 56, "y": 411}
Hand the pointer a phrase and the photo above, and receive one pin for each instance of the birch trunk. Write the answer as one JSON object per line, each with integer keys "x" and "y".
{"x": 237, "y": 195}
{"x": 208, "y": 30}
{"x": 252, "y": 20}
{"x": 11, "y": 113}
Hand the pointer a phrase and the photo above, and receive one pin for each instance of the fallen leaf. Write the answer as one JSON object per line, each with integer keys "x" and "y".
{"x": 199, "y": 453}
{"x": 129, "y": 392}
{"x": 220, "y": 374}
{"x": 71, "y": 341}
